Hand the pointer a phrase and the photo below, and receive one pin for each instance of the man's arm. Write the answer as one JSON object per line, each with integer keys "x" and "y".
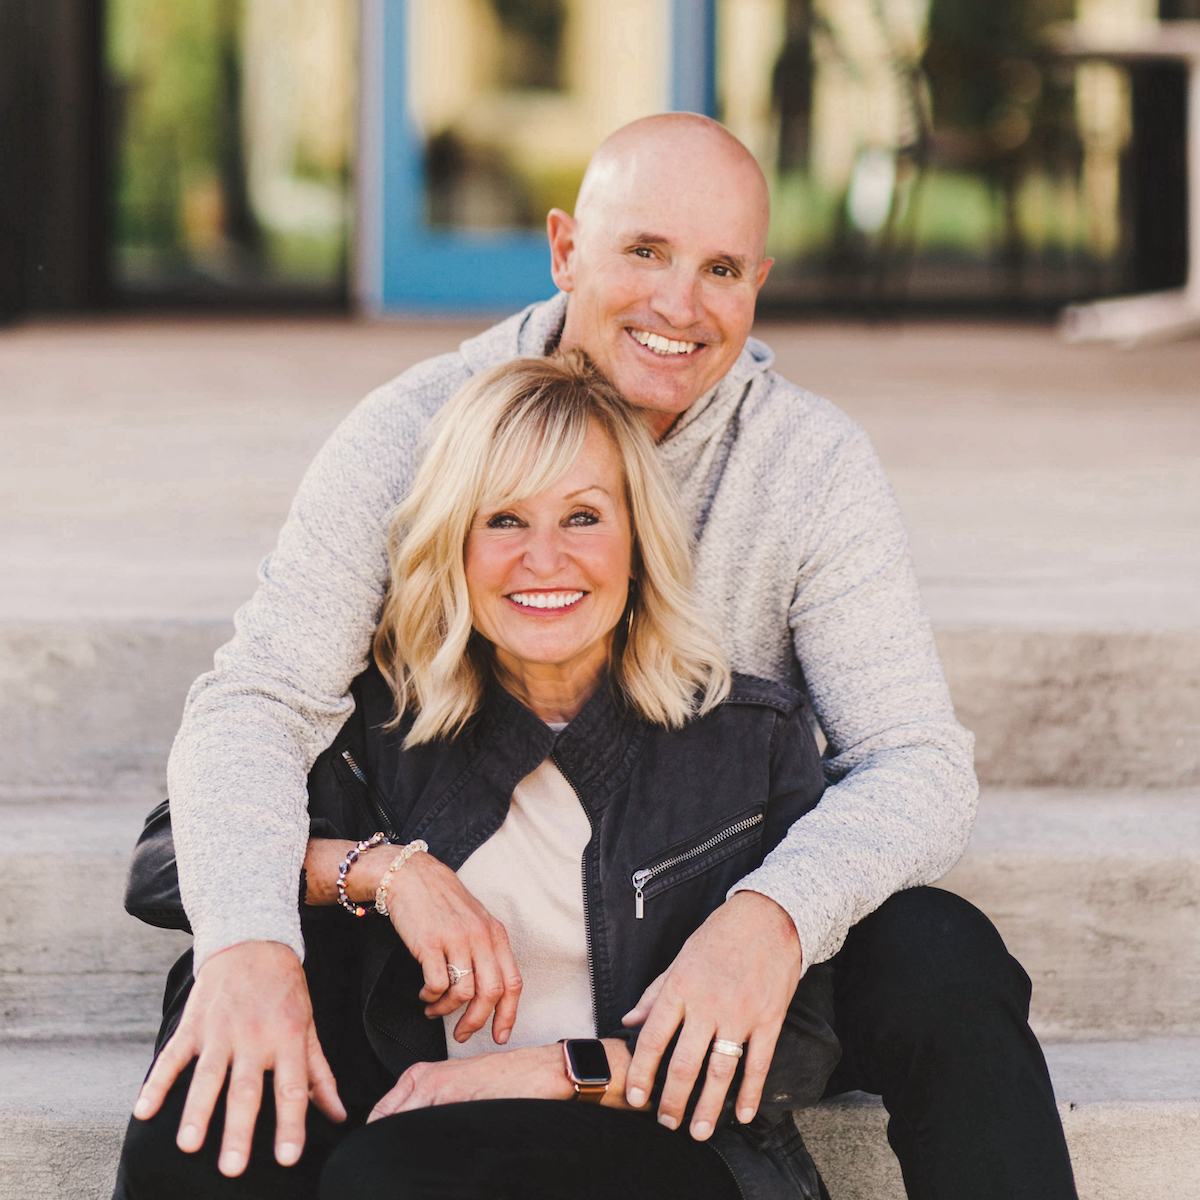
{"x": 251, "y": 729}
{"x": 899, "y": 809}
{"x": 278, "y": 692}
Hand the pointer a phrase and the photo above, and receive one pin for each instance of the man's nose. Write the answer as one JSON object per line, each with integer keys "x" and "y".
{"x": 677, "y": 299}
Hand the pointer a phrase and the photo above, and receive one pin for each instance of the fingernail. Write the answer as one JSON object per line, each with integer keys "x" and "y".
{"x": 668, "y": 1120}
{"x": 288, "y": 1154}
{"x": 189, "y": 1138}
{"x": 637, "y": 1097}
{"x": 141, "y": 1109}
{"x": 745, "y": 1115}
{"x": 231, "y": 1163}
{"x": 501, "y": 1038}
{"x": 701, "y": 1130}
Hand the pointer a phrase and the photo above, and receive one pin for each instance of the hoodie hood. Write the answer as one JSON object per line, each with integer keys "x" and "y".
{"x": 536, "y": 330}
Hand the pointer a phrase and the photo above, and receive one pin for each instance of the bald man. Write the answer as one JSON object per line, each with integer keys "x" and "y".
{"x": 800, "y": 549}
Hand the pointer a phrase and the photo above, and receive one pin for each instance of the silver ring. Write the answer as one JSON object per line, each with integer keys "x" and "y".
{"x": 457, "y": 974}
{"x": 722, "y": 1046}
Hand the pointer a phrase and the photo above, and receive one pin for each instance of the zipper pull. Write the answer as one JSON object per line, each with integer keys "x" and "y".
{"x": 639, "y": 901}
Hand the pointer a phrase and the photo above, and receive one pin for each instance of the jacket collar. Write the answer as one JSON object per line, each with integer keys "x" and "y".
{"x": 595, "y": 751}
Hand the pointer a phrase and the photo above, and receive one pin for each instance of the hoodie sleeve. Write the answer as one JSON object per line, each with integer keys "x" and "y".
{"x": 902, "y": 795}
{"x": 279, "y": 691}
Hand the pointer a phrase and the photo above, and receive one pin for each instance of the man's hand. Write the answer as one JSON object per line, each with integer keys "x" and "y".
{"x": 733, "y": 979}
{"x": 248, "y": 1012}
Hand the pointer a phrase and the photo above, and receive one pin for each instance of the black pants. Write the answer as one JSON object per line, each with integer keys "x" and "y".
{"x": 932, "y": 1013}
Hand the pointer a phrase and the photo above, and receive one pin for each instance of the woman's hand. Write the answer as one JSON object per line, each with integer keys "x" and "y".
{"x": 537, "y": 1073}
{"x": 440, "y": 922}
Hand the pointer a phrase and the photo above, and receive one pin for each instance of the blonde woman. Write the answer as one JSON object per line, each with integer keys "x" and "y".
{"x": 550, "y": 781}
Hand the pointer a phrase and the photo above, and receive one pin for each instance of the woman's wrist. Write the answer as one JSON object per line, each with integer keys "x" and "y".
{"x": 326, "y": 855}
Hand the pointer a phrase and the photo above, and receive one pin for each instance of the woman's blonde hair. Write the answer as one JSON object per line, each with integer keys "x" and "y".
{"x": 507, "y": 435}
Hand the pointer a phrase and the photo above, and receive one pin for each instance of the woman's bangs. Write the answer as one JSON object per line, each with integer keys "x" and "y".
{"x": 530, "y": 455}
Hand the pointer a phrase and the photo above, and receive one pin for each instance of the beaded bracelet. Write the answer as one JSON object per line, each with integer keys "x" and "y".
{"x": 417, "y": 847}
{"x": 357, "y": 910}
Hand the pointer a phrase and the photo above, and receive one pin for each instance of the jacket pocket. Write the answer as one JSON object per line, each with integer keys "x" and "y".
{"x": 690, "y": 859}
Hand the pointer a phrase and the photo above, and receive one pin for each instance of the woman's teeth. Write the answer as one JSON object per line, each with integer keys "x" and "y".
{"x": 662, "y": 345}
{"x": 545, "y": 599}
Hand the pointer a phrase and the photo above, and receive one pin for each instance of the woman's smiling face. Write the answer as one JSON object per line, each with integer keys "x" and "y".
{"x": 548, "y": 576}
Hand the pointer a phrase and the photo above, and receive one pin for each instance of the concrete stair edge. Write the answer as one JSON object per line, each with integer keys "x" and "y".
{"x": 64, "y": 1106}
{"x": 1067, "y": 708}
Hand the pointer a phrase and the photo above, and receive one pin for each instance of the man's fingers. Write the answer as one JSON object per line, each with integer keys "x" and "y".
{"x": 721, "y": 1070}
{"x": 207, "y": 1081}
{"x": 656, "y": 1034}
{"x": 641, "y": 1010}
{"x": 687, "y": 1061}
{"x": 176, "y": 1055}
{"x": 322, "y": 1085}
{"x": 291, "y": 1105}
{"x": 242, "y": 1102}
{"x": 757, "y": 1063}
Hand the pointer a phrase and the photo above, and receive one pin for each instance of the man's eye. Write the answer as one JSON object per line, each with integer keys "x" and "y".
{"x": 643, "y": 252}
{"x": 723, "y": 271}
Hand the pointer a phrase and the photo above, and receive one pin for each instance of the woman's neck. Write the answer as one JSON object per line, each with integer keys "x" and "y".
{"x": 551, "y": 691}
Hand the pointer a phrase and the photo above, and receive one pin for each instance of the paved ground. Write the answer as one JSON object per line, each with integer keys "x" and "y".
{"x": 145, "y": 465}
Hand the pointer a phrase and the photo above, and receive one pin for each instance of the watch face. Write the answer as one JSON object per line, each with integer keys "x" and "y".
{"x": 589, "y": 1063}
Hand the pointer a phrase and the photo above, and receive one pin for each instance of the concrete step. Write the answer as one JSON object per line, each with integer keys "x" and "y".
{"x": 1131, "y": 1111}
{"x": 95, "y": 705}
{"x": 1094, "y": 891}
{"x": 89, "y": 968}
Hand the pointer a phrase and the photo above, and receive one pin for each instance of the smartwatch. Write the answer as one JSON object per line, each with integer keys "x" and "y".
{"x": 586, "y": 1063}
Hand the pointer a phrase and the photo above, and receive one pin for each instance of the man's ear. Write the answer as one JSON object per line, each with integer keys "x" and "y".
{"x": 560, "y": 229}
{"x": 764, "y": 269}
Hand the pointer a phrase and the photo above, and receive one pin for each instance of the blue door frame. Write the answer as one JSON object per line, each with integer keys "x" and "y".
{"x": 407, "y": 268}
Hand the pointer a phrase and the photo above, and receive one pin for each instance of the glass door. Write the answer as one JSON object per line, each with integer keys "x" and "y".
{"x": 233, "y": 139}
{"x": 480, "y": 116}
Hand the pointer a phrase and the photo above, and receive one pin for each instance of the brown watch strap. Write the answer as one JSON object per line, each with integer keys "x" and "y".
{"x": 590, "y": 1093}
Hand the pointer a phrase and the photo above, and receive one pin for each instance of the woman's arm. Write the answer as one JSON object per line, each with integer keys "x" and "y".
{"x": 535, "y": 1073}
{"x": 439, "y": 921}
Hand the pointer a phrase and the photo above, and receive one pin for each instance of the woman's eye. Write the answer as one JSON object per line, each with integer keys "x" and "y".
{"x": 583, "y": 517}
{"x": 502, "y": 521}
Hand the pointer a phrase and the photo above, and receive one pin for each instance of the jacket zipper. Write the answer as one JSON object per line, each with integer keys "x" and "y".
{"x": 587, "y": 912}
{"x": 644, "y": 876}
{"x": 377, "y": 805}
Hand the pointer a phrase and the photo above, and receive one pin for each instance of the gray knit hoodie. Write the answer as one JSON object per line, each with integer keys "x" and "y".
{"x": 800, "y": 554}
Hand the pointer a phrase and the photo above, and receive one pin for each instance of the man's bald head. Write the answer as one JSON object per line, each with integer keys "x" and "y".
{"x": 668, "y": 152}
{"x": 663, "y": 259}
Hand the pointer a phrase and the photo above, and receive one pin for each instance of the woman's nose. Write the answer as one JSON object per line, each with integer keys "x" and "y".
{"x": 544, "y": 553}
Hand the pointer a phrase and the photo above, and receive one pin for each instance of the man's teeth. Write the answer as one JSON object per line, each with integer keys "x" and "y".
{"x": 662, "y": 345}
{"x": 545, "y": 599}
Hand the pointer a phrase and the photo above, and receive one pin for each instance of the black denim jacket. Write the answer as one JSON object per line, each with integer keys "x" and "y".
{"x": 677, "y": 817}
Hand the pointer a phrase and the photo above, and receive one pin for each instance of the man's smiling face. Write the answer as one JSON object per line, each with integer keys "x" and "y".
{"x": 663, "y": 260}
